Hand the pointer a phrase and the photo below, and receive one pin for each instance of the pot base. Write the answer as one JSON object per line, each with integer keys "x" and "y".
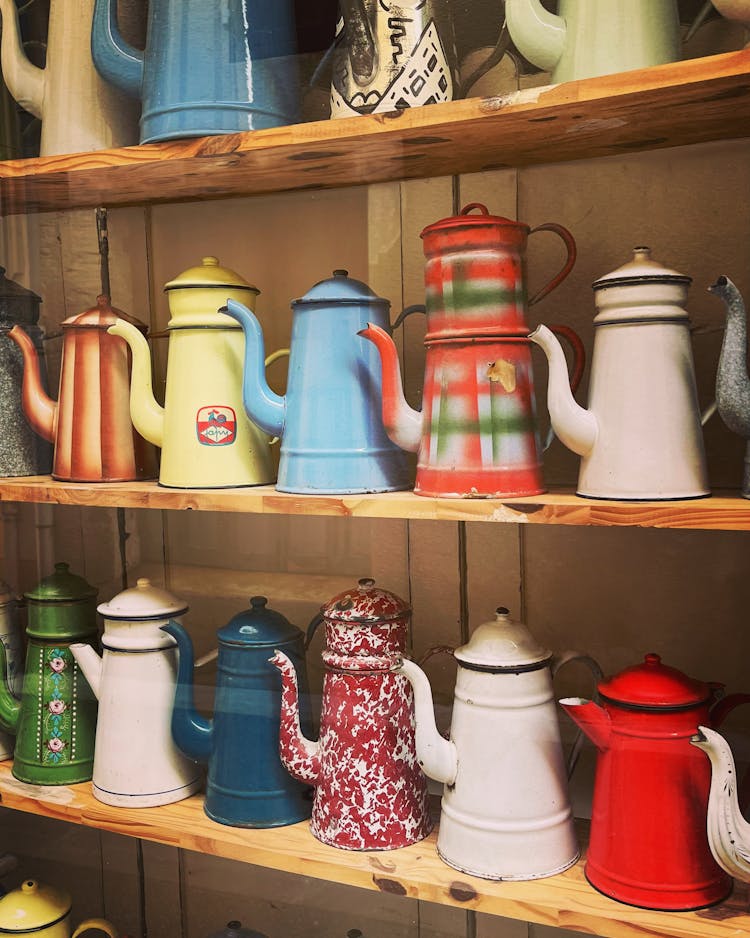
{"x": 147, "y": 799}
{"x": 681, "y": 900}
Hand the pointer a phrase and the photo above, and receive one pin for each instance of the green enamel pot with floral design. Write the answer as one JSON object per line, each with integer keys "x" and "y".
{"x": 55, "y": 720}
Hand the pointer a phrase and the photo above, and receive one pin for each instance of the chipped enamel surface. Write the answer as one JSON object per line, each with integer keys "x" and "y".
{"x": 370, "y": 791}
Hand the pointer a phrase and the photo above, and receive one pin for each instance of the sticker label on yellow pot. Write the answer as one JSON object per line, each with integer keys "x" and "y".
{"x": 216, "y": 426}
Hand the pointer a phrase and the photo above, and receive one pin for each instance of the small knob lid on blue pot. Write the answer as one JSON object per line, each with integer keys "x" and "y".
{"x": 259, "y": 626}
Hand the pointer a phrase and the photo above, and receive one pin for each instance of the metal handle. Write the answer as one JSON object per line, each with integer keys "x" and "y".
{"x": 557, "y": 662}
{"x": 570, "y": 244}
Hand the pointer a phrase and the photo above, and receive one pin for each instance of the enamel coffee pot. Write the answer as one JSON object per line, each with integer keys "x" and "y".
{"x": 388, "y": 56}
{"x": 641, "y": 436}
{"x": 54, "y": 722}
{"x": 208, "y": 68}
{"x": 505, "y": 811}
{"x": 23, "y": 453}
{"x": 44, "y": 912}
{"x": 134, "y": 681}
{"x": 205, "y": 438}
{"x": 79, "y": 111}
{"x": 94, "y": 438}
{"x": 10, "y": 636}
{"x": 587, "y": 37}
{"x": 648, "y": 845}
{"x": 477, "y": 434}
{"x": 370, "y": 793}
{"x": 247, "y": 784}
{"x": 332, "y": 435}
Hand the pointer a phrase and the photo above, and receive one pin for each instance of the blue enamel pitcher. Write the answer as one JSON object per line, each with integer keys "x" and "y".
{"x": 208, "y": 67}
{"x": 247, "y": 785}
{"x": 330, "y": 421}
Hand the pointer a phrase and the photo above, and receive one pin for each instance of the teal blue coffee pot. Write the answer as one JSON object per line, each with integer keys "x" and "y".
{"x": 247, "y": 785}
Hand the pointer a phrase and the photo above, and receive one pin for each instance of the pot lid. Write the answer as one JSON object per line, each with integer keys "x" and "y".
{"x": 32, "y": 906}
{"x": 209, "y": 273}
{"x": 365, "y": 603}
{"x": 503, "y": 643}
{"x": 9, "y": 289}
{"x": 143, "y": 601}
{"x": 341, "y": 288}
{"x": 641, "y": 269}
{"x": 62, "y": 586}
{"x": 465, "y": 220}
{"x": 653, "y": 684}
{"x": 235, "y": 930}
{"x": 259, "y": 625}
{"x": 102, "y": 316}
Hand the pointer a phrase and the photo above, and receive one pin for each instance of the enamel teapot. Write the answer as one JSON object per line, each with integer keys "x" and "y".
{"x": 390, "y": 55}
{"x": 247, "y": 785}
{"x": 370, "y": 793}
{"x": 54, "y": 721}
{"x": 23, "y": 453}
{"x": 477, "y": 434}
{"x": 732, "y": 380}
{"x": 332, "y": 435}
{"x": 134, "y": 681}
{"x": 727, "y": 830}
{"x": 206, "y": 440}
{"x": 44, "y": 911}
{"x": 79, "y": 111}
{"x": 641, "y": 436}
{"x": 648, "y": 845}
{"x": 587, "y": 37}
{"x": 505, "y": 811}
{"x": 207, "y": 68}
{"x": 94, "y": 438}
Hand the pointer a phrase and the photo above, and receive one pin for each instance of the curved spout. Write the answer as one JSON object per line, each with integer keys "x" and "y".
{"x": 732, "y": 381}
{"x": 10, "y": 706}
{"x": 728, "y": 832}
{"x": 300, "y": 755}
{"x": 90, "y": 663}
{"x": 537, "y": 34}
{"x": 574, "y": 425}
{"x": 25, "y": 80}
{"x": 40, "y": 409}
{"x": 192, "y": 732}
{"x": 115, "y": 60}
{"x": 402, "y": 424}
{"x": 263, "y": 406}
{"x": 145, "y": 411}
{"x": 592, "y": 719}
{"x": 437, "y": 756}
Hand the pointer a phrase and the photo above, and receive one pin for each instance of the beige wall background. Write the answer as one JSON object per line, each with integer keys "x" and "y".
{"x": 616, "y": 594}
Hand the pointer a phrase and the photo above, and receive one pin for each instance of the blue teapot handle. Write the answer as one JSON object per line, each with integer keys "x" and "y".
{"x": 407, "y": 311}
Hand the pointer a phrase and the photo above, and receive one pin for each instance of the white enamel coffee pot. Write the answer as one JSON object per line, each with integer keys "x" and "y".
{"x": 505, "y": 810}
{"x": 136, "y": 763}
{"x": 641, "y": 436}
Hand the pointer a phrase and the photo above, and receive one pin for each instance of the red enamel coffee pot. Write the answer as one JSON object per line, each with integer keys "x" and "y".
{"x": 648, "y": 844}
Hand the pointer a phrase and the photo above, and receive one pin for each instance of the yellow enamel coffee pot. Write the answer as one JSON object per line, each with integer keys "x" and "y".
{"x": 206, "y": 438}
{"x": 44, "y": 912}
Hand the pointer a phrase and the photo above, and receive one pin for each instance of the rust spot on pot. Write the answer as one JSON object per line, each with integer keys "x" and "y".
{"x": 503, "y": 372}
{"x": 462, "y": 892}
{"x": 392, "y": 886}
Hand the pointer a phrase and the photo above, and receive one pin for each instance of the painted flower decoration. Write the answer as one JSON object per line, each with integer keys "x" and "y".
{"x": 57, "y": 664}
{"x": 55, "y": 744}
{"x": 56, "y": 706}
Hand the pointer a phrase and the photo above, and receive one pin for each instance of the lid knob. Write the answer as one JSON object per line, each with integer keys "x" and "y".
{"x": 366, "y": 583}
{"x": 341, "y": 272}
{"x": 30, "y": 886}
{"x": 61, "y": 567}
{"x": 642, "y": 253}
{"x": 142, "y": 583}
{"x": 258, "y": 602}
{"x": 210, "y": 261}
{"x": 502, "y": 612}
{"x": 652, "y": 660}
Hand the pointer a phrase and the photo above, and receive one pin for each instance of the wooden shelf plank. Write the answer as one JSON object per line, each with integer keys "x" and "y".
{"x": 663, "y": 106}
{"x": 566, "y": 900}
{"x": 720, "y": 512}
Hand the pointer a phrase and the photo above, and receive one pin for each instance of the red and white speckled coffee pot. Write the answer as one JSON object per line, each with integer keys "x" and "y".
{"x": 370, "y": 793}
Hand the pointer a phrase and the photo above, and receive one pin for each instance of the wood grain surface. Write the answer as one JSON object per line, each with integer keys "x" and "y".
{"x": 667, "y": 105}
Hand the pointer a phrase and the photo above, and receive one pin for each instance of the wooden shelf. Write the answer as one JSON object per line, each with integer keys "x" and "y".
{"x": 719, "y": 512}
{"x": 663, "y": 106}
{"x": 566, "y": 900}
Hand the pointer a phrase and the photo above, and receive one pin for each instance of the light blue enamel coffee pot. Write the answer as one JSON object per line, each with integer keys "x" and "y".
{"x": 208, "y": 67}
{"x": 330, "y": 420}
